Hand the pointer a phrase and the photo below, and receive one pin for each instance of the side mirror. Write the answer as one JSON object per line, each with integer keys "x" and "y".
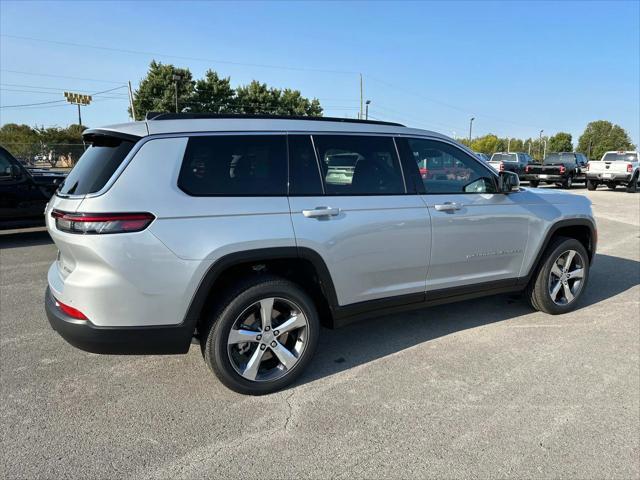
{"x": 508, "y": 182}
{"x": 15, "y": 171}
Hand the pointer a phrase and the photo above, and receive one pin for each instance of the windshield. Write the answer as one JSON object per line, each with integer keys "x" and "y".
{"x": 620, "y": 157}
{"x": 504, "y": 157}
{"x": 96, "y": 166}
{"x": 559, "y": 158}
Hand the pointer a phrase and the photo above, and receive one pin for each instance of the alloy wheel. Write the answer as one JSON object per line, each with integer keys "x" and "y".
{"x": 566, "y": 277}
{"x": 267, "y": 339}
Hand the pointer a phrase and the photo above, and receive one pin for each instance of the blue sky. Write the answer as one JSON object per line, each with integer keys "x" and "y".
{"x": 517, "y": 67}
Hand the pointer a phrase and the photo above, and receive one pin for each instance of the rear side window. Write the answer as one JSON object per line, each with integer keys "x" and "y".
{"x": 96, "y": 166}
{"x": 235, "y": 165}
{"x": 359, "y": 165}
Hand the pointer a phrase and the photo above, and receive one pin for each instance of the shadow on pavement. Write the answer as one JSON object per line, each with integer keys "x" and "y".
{"x": 24, "y": 239}
{"x": 369, "y": 340}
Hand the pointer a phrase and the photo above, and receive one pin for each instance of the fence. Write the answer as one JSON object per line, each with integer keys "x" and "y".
{"x": 46, "y": 155}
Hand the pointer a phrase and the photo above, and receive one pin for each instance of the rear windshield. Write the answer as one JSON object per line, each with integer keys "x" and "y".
{"x": 620, "y": 157}
{"x": 96, "y": 166}
{"x": 504, "y": 157}
{"x": 559, "y": 158}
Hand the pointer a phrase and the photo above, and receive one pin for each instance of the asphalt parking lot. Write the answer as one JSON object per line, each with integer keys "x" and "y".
{"x": 483, "y": 388}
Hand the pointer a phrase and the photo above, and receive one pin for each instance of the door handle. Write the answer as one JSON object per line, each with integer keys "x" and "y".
{"x": 448, "y": 206}
{"x": 321, "y": 212}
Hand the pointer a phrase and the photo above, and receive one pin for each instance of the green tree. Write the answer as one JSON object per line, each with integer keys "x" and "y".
{"x": 602, "y": 136}
{"x": 213, "y": 94}
{"x": 257, "y": 98}
{"x": 157, "y": 90}
{"x": 21, "y": 140}
{"x": 486, "y": 144}
{"x": 560, "y": 142}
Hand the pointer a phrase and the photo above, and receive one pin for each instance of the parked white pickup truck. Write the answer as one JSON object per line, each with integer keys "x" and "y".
{"x": 613, "y": 169}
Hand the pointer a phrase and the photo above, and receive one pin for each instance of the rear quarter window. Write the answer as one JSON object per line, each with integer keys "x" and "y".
{"x": 96, "y": 165}
{"x": 235, "y": 165}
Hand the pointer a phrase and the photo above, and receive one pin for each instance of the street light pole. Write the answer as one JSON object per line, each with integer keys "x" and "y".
{"x": 366, "y": 111}
{"x": 176, "y": 79}
{"x": 540, "y": 144}
{"x": 470, "y": 128}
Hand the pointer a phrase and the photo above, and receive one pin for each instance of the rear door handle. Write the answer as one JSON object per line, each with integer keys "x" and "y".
{"x": 448, "y": 206}
{"x": 321, "y": 212}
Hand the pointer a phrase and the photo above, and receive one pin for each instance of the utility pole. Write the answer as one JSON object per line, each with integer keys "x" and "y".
{"x": 78, "y": 99}
{"x": 545, "y": 151}
{"x": 366, "y": 113}
{"x": 361, "y": 97}
{"x": 540, "y": 144}
{"x": 530, "y": 147}
{"x": 470, "y": 128}
{"x": 176, "y": 79}
{"x": 133, "y": 110}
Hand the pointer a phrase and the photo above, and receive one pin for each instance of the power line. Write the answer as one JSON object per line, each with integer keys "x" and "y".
{"x": 60, "y": 76}
{"x": 195, "y": 59}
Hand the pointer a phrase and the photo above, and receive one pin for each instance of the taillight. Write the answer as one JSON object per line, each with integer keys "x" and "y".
{"x": 72, "y": 312}
{"x": 101, "y": 223}
{"x": 527, "y": 168}
{"x": 629, "y": 168}
{"x": 501, "y": 167}
{"x": 562, "y": 169}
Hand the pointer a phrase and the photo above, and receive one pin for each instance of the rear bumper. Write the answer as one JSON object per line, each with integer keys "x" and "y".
{"x": 615, "y": 177}
{"x": 148, "y": 340}
{"x": 543, "y": 177}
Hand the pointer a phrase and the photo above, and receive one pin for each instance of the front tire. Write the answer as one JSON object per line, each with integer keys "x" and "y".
{"x": 592, "y": 185}
{"x": 561, "y": 278}
{"x": 567, "y": 183}
{"x": 262, "y": 336}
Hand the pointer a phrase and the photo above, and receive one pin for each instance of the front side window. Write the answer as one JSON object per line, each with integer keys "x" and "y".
{"x": 359, "y": 165}
{"x": 447, "y": 169}
{"x": 235, "y": 165}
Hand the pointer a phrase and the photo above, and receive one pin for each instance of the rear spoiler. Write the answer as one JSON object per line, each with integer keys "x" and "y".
{"x": 91, "y": 134}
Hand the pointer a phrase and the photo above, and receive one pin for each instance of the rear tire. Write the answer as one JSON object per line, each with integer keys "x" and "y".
{"x": 249, "y": 354}
{"x": 534, "y": 183}
{"x": 592, "y": 185}
{"x": 556, "y": 287}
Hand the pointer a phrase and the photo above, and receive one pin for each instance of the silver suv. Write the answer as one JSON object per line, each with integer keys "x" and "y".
{"x": 247, "y": 234}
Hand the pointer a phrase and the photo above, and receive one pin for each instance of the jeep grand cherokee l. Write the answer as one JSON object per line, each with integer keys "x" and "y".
{"x": 237, "y": 232}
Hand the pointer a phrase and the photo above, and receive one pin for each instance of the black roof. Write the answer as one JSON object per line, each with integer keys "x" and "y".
{"x": 192, "y": 116}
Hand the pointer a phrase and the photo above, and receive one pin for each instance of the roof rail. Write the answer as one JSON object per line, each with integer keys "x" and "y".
{"x": 192, "y": 116}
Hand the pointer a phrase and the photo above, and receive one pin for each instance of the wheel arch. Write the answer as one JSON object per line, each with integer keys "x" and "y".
{"x": 582, "y": 229}
{"x": 303, "y": 265}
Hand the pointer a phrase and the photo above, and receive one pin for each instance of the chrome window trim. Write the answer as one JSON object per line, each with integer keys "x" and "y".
{"x": 142, "y": 141}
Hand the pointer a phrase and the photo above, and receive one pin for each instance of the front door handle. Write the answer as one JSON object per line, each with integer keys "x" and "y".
{"x": 321, "y": 212}
{"x": 448, "y": 206}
